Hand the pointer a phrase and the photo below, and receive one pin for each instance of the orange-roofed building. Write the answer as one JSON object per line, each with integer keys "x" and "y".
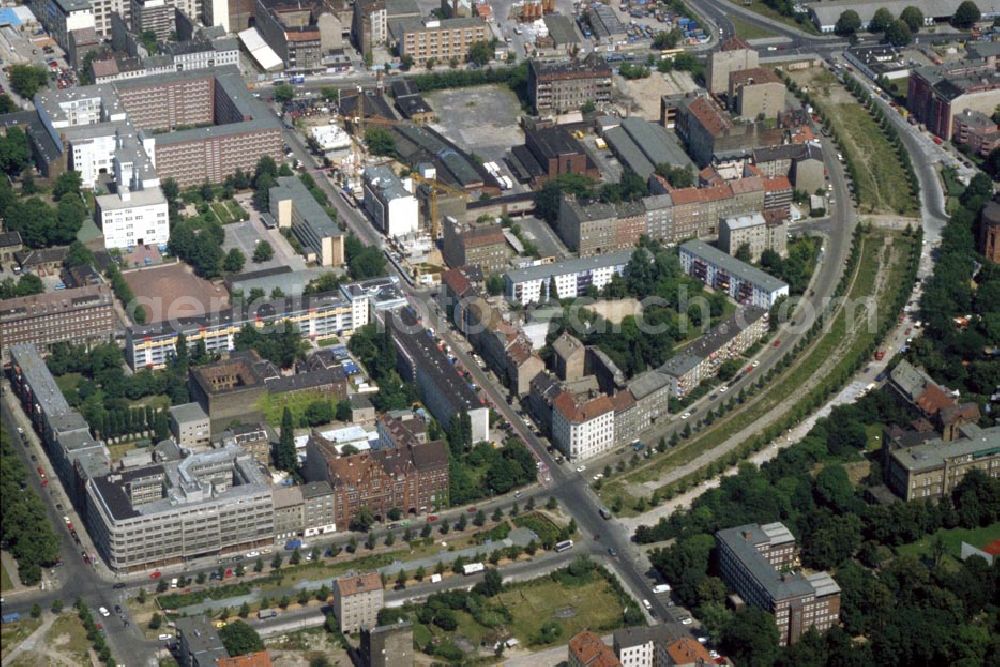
{"x": 686, "y": 652}
{"x": 587, "y": 650}
{"x": 259, "y": 659}
{"x": 357, "y": 601}
{"x": 778, "y": 193}
{"x": 583, "y": 430}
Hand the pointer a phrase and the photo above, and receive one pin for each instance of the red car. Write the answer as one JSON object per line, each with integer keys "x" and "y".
{"x": 154, "y": 575}
{"x": 777, "y": 343}
{"x": 431, "y": 519}
{"x": 472, "y": 510}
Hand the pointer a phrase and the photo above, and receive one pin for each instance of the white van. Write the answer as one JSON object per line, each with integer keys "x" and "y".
{"x": 661, "y": 588}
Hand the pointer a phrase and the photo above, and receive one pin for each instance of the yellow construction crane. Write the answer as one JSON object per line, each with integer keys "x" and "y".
{"x": 433, "y": 185}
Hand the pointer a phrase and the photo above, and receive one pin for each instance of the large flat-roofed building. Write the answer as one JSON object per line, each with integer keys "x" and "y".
{"x": 595, "y": 228}
{"x": 439, "y": 385}
{"x": 213, "y": 502}
{"x": 742, "y": 282}
{"x": 571, "y": 278}
{"x": 756, "y": 92}
{"x": 390, "y": 202}
{"x": 755, "y": 233}
{"x": 388, "y": 645}
{"x": 442, "y": 40}
{"x": 294, "y": 208}
{"x": 62, "y": 17}
{"x": 482, "y": 245}
{"x": 561, "y": 87}
{"x": 758, "y": 561}
{"x": 641, "y": 146}
{"x": 933, "y": 469}
{"x": 316, "y": 315}
{"x": 936, "y": 94}
{"x": 128, "y": 218}
{"x": 198, "y": 642}
{"x": 75, "y": 455}
{"x": 826, "y": 14}
{"x": 734, "y": 54}
{"x": 228, "y": 129}
{"x": 291, "y": 28}
{"x": 81, "y": 315}
{"x": 412, "y": 477}
{"x": 357, "y": 600}
{"x": 550, "y": 152}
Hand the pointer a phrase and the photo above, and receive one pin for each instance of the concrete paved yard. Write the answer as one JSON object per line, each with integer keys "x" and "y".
{"x": 482, "y": 120}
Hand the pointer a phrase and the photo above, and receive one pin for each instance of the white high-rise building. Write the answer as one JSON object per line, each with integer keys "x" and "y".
{"x": 390, "y": 202}
{"x": 130, "y": 218}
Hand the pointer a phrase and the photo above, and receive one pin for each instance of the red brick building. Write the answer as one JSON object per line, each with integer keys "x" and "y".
{"x": 412, "y": 476}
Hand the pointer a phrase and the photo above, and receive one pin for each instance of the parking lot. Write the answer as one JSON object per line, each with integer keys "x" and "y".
{"x": 247, "y": 234}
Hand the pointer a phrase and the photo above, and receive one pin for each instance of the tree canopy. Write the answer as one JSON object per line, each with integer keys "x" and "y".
{"x": 26, "y": 80}
{"x": 965, "y": 16}
{"x": 848, "y": 23}
{"x": 240, "y": 639}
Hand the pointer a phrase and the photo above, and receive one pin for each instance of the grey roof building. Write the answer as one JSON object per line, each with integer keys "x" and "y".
{"x": 292, "y": 205}
{"x": 198, "y": 641}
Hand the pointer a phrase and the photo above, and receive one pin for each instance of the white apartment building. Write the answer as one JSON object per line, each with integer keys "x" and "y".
{"x": 390, "y": 202}
{"x": 755, "y": 233}
{"x": 642, "y": 646}
{"x": 571, "y": 278}
{"x": 583, "y": 431}
{"x": 129, "y": 218}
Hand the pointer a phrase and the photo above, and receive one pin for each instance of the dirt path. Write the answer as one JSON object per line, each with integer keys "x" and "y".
{"x": 31, "y": 640}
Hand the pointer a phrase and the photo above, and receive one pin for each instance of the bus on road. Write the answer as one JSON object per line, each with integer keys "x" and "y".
{"x": 565, "y": 545}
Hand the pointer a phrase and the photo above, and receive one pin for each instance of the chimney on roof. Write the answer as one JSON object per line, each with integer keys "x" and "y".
{"x": 746, "y": 535}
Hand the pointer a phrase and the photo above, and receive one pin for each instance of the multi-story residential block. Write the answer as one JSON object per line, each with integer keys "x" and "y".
{"x": 212, "y": 502}
{"x": 989, "y": 232}
{"x": 742, "y": 282}
{"x": 555, "y": 88}
{"x": 371, "y": 20}
{"x": 233, "y": 15}
{"x": 200, "y": 52}
{"x": 294, "y": 208}
{"x": 440, "y": 40}
{"x": 756, "y": 92}
{"x": 390, "y": 202}
{"x": 933, "y": 469}
{"x": 644, "y": 646}
{"x": 317, "y": 315}
{"x": 190, "y": 426}
{"x": 801, "y": 163}
{"x": 252, "y": 438}
{"x": 659, "y": 210}
{"x": 734, "y": 55}
{"x": 936, "y": 94}
{"x": 570, "y": 357}
{"x": 480, "y": 245}
{"x": 549, "y": 152}
{"x": 583, "y": 430}
{"x": 75, "y": 455}
{"x": 10, "y": 244}
{"x": 319, "y": 508}
{"x": 755, "y": 233}
{"x": 81, "y": 315}
{"x": 503, "y": 346}
{"x": 587, "y": 650}
{"x": 976, "y": 130}
{"x": 651, "y": 392}
{"x": 388, "y": 645}
{"x": 778, "y": 195}
{"x": 128, "y": 218}
{"x": 570, "y": 278}
{"x": 756, "y": 561}
{"x": 412, "y": 477}
{"x": 357, "y": 601}
{"x": 198, "y": 642}
{"x": 695, "y": 212}
{"x": 155, "y": 16}
{"x": 63, "y": 17}
{"x": 596, "y": 228}
{"x": 709, "y": 132}
{"x": 291, "y": 28}
{"x": 289, "y": 519}
{"x": 440, "y": 387}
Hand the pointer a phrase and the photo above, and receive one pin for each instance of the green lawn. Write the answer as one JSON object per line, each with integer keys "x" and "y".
{"x": 272, "y": 405}
{"x": 5, "y": 582}
{"x": 222, "y": 212}
{"x": 880, "y": 179}
{"x": 327, "y": 342}
{"x": 68, "y": 382}
{"x": 12, "y": 634}
{"x": 237, "y": 211}
{"x": 953, "y": 538}
{"x": 748, "y": 30}
{"x": 759, "y": 7}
